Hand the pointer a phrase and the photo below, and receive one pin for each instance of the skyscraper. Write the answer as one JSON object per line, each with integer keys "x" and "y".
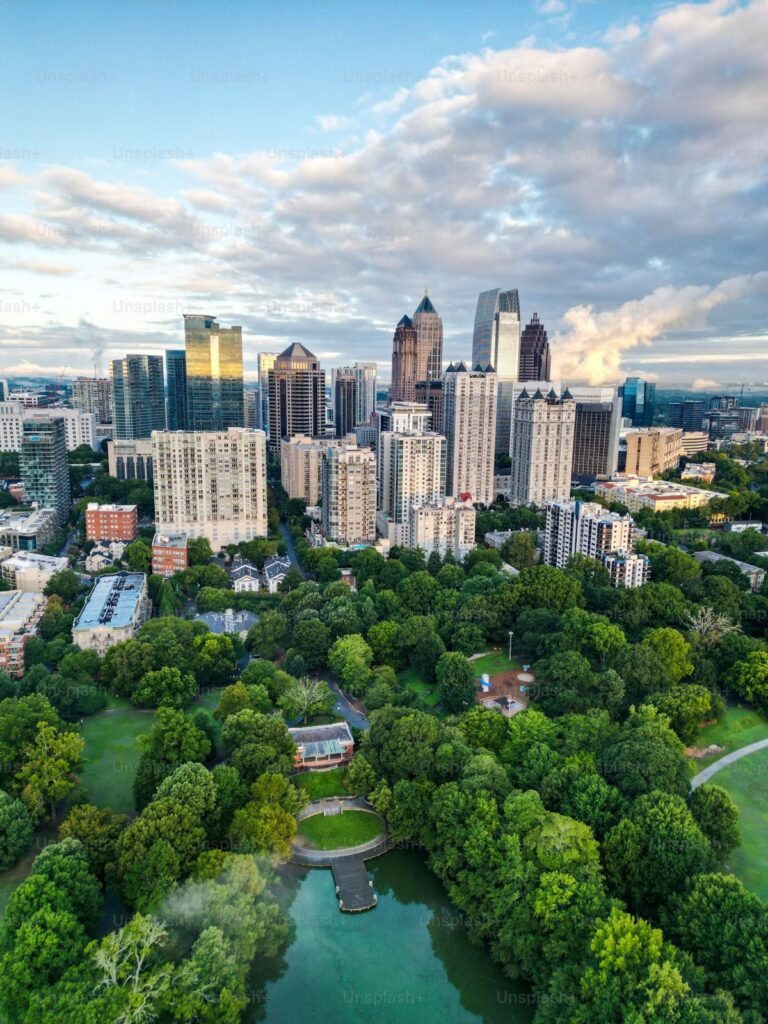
{"x": 412, "y": 471}
{"x": 534, "y": 351}
{"x": 430, "y": 393}
{"x": 266, "y": 360}
{"x": 366, "y": 391}
{"x": 214, "y": 361}
{"x": 542, "y": 447}
{"x": 596, "y": 432}
{"x": 469, "y": 426}
{"x": 429, "y": 340}
{"x": 345, "y": 386}
{"x": 176, "y": 388}
{"x": 638, "y": 401}
{"x": 94, "y": 394}
{"x": 496, "y": 343}
{"x": 211, "y": 484}
{"x": 349, "y": 495}
{"x": 405, "y": 362}
{"x": 252, "y": 414}
{"x": 688, "y": 414}
{"x": 43, "y": 465}
{"x": 139, "y": 396}
{"x": 296, "y": 396}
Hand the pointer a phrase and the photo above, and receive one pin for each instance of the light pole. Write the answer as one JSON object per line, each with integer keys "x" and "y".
{"x": 510, "y": 645}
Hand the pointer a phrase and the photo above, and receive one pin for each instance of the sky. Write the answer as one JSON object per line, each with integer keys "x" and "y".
{"x": 306, "y": 168}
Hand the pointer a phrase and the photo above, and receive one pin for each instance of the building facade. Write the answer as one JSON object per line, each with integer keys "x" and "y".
{"x": 349, "y": 495}
{"x": 115, "y": 610}
{"x": 111, "y": 522}
{"x": 653, "y": 451}
{"x": 169, "y": 553}
{"x": 412, "y": 471}
{"x": 176, "y": 389}
{"x": 301, "y": 465}
{"x": 79, "y": 427}
{"x": 405, "y": 362}
{"x": 638, "y": 401}
{"x": 583, "y": 528}
{"x": 139, "y": 396}
{"x": 130, "y": 460}
{"x": 214, "y": 374}
{"x": 29, "y": 571}
{"x": 496, "y": 346}
{"x": 445, "y": 527}
{"x": 596, "y": 434}
{"x": 94, "y": 395}
{"x": 657, "y": 495}
{"x": 44, "y": 467}
{"x": 28, "y": 531}
{"x": 296, "y": 396}
{"x": 345, "y": 404}
{"x": 211, "y": 484}
{"x": 687, "y": 414}
{"x": 20, "y": 614}
{"x": 535, "y": 357}
{"x": 542, "y": 447}
{"x": 469, "y": 427}
{"x": 429, "y": 340}
{"x": 265, "y": 363}
{"x": 366, "y": 390}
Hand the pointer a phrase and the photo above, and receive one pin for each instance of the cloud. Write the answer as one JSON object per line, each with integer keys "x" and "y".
{"x": 704, "y": 384}
{"x": 38, "y": 267}
{"x": 332, "y": 122}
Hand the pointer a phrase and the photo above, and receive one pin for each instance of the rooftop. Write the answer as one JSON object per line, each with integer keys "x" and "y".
{"x": 112, "y": 601}
{"x": 16, "y": 609}
{"x": 714, "y": 556}
{"x": 32, "y": 558}
{"x": 425, "y": 306}
{"x": 94, "y": 506}
{"x": 276, "y": 566}
{"x": 169, "y": 540}
{"x": 317, "y": 740}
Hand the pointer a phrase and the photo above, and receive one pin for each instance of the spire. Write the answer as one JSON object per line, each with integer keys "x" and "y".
{"x": 405, "y": 321}
{"x": 425, "y": 306}
{"x": 538, "y": 395}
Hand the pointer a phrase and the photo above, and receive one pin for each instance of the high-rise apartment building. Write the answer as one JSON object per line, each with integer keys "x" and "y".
{"x": 211, "y": 484}
{"x": 535, "y": 357}
{"x": 653, "y": 451}
{"x": 94, "y": 395}
{"x": 214, "y": 366}
{"x": 496, "y": 345}
{"x": 405, "y": 362}
{"x": 345, "y": 405}
{"x": 349, "y": 495}
{"x": 430, "y": 393}
{"x": 469, "y": 425}
{"x": 79, "y": 426}
{"x": 542, "y": 447}
{"x": 139, "y": 396}
{"x": 445, "y": 526}
{"x": 429, "y": 340}
{"x": 176, "y": 388}
{"x": 583, "y": 528}
{"x": 301, "y": 464}
{"x": 411, "y": 471}
{"x": 296, "y": 395}
{"x": 366, "y": 391}
{"x": 43, "y": 465}
{"x": 638, "y": 401}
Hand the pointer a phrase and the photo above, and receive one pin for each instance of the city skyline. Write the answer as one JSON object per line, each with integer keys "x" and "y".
{"x": 104, "y": 241}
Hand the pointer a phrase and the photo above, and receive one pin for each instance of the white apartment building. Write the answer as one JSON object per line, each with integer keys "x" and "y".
{"x": 626, "y": 568}
{"x": 349, "y": 495}
{"x": 469, "y": 427}
{"x": 542, "y": 436}
{"x": 411, "y": 472}
{"x": 79, "y": 427}
{"x": 443, "y": 526}
{"x": 211, "y": 484}
{"x": 28, "y": 572}
{"x": 20, "y": 615}
{"x": 301, "y": 464}
{"x": 115, "y": 609}
{"x": 583, "y": 528}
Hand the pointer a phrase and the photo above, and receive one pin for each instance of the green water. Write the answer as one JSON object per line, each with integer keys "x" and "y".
{"x": 408, "y": 961}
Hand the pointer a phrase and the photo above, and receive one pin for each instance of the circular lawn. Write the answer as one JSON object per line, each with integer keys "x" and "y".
{"x": 337, "y": 831}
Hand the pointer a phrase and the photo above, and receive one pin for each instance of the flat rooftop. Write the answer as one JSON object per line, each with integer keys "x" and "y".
{"x": 94, "y": 506}
{"x": 169, "y": 540}
{"x": 112, "y": 601}
{"x": 16, "y": 609}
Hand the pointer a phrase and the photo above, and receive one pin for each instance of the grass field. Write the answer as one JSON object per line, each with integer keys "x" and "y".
{"x": 112, "y": 753}
{"x": 746, "y": 782}
{"x": 335, "y": 831}
{"x": 319, "y": 784}
{"x": 495, "y": 661}
{"x": 411, "y": 680}
{"x": 738, "y": 727}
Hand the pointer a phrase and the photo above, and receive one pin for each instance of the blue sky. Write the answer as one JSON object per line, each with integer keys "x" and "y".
{"x": 306, "y": 168}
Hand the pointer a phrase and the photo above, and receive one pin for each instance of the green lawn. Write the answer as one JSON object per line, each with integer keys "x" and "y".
{"x": 335, "y": 831}
{"x": 319, "y": 784}
{"x": 746, "y": 782}
{"x": 112, "y": 753}
{"x": 495, "y": 661}
{"x": 411, "y": 680}
{"x": 738, "y": 727}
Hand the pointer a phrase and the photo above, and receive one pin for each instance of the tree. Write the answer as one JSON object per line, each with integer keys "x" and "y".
{"x": 267, "y": 823}
{"x": 138, "y": 556}
{"x": 97, "y": 829}
{"x": 685, "y": 707}
{"x": 48, "y": 770}
{"x": 66, "y": 866}
{"x": 351, "y": 658}
{"x": 400, "y": 744}
{"x": 418, "y": 592}
{"x": 214, "y": 662}
{"x": 306, "y": 697}
{"x": 15, "y": 830}
{"x": 542, "y": 586}
{"x": 312, "y": 638}
{"x": 20, "y": 718}
{"x": 209, "y": 987}
{"x": 268, "y": 636}
{"x": 199, "y": 551}
{"x": 673, "y": 651}
{"x": 165, "y": 687}
{"x": 718, "y": 818}
{"x": 456, "y": 682}
{"x": 520, "y": 550}
{"x": 65, "y": 584}
{"x": 749, "y": 679}
{"x": 257, "y": 743}
{"x": 233, "y": 698}
{"x": 646, "y": 755}
{"x": 384, "y": 641}
{"x": 173, "y": 740}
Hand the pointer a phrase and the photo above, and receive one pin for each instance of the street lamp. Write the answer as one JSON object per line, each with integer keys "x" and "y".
{"x": 510, "y": 645}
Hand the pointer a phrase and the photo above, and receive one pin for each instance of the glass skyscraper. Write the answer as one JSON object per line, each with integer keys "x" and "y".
{"x": 214, "y": 359}
{"x": 176, "y": 388}
{"x": 496, "y": 344}
{"x": 638, "y": 401}
{"x": 139, "y": 396}
{"x": 43, "y": 465}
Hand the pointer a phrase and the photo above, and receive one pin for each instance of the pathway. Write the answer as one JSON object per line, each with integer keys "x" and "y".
{"x": 706, "y": 774}
{"x": 352, "y": 715}
{"x": 291, "y": 548}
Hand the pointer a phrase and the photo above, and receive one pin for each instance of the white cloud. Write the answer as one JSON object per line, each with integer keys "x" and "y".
{"x": 332, "y": 122}
{"x": 704, "y": 384}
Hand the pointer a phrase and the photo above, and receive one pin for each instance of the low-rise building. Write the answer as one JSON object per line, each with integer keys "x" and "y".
{"x": 131, "y": 459}
{"x": 170, "y": 553}
{"x": 497, "y": 538}
{"x": 111, "y": 522}
{"x": 276, "y": 569}
{"x": 20, "y": 614}
{"x": 704, "y": 472}
{"x": 754, "y": 573}
{"x": 443, "y": 526}
{"x": 103, "y": 555}
{"x": 657, "y": 495}
{"x": 29, "y": 571}
{"x": 28, "y": 530}
{"x": 742, "y": 525}
{"x": 245, "y": 577}
{"x": 115, "y": 610}
{"x": 693, "y": 442}
{"x": 322, "y": 746}
{"x": 502, "y": 484}
{"x": 626, "y": 568}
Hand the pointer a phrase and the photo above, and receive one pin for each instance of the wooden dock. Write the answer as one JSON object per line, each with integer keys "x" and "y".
{"x": 353, "y": 887}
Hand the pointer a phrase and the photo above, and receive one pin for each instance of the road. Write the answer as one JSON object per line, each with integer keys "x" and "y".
{"x": 71, "y": 539}
{"x": 286, "y": 534}
{"x": 342, "y": 707}
{"x": 706, "y": 774}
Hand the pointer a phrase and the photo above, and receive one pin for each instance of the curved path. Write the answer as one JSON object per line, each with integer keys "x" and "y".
{"x": 706, "y": 774}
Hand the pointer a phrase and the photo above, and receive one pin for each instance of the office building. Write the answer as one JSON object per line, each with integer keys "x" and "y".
{"x": 214, "y": 374}
{"x": 79, "y": 427}
{"x": 693, "y": 442}
{"x": 446, "y": 527}
{"x": 301, "y": 464}
{"x": 595, "y": 440}
{"x": 722, "y": 418}
{"x": 4, "y": 389}
{"x": 169, "y": 553}
{"x": 653, "y": 451}
{"x": 20, "y": 614}
{"x": 94, "y": 395}
{"x": 345, "y": 405}
{"x": 349, "y": 495}
{"x": 366, "y": 391}
{"x": 139, "y": 396}
{"x": 469, "y": 424}
{"x": 111, "y": 522}
{"x": 28, "y": 531}
{"x": 583, "y": 528}
{"x": 429, "y": 340}
{"x": 542, "y": 447}
{"x": 687, "y": 414}
{"x": 411, "y": 471}
{"x": 657, "y": 495}
{"x": 496, "y": 345}
{"x": 638, "y": 401}
{"x": 130, "y": 460}
{"x": 430, "y": 393}
{"x": 748, "y": 417}
{"x": 176, "y": 388}
{"x": 29, "y": 571}
{"x": 405, "y": 362}
{"x": 115, "y": 610}
{"x": 296, "y": 396}
{"x": 265, "y": 362}
{"x": 43, "y": 465}
{"x": 211, "y": 484}
{"x": 535, "y": 356}
{"x": 252, "y": 406}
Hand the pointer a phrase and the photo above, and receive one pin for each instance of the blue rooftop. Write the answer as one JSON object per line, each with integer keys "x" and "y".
{"x": 112, "y": 602}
